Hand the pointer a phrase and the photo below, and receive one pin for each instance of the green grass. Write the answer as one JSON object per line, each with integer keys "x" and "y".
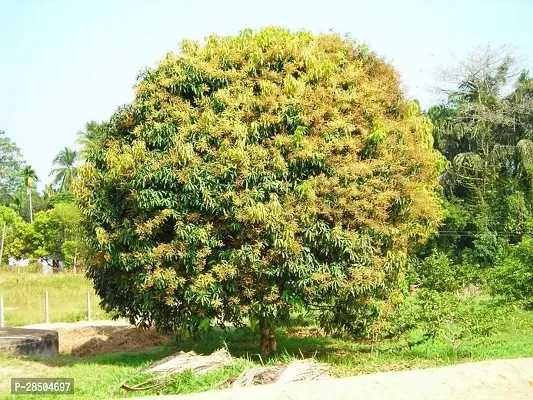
{"x": 514, "y": 339}
{"x": 24, "y": 297}
{"x": 94, "y": 377}
{"x": 99, "y": 377}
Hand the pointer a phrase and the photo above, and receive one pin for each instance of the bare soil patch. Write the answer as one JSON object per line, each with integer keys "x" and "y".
{"x": 305, "y": 332}
{"x": 95, "y": 340}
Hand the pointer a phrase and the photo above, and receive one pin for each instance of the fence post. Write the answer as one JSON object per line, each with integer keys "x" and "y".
{"x": 46, "y": 314}
{"x": 2, "y": 320}
{"x": 88, "y": 305}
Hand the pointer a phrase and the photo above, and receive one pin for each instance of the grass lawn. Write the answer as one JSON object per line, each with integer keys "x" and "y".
{"x": 99, "y": 377}
{"x": 24, "y": 297}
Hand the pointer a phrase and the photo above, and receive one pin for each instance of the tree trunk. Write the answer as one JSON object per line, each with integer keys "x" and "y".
{"x": 75, "y": 259}
{"x": 267, "y": 344}
{"x": 31, "y": 208}
{"x": 2, "y": 242}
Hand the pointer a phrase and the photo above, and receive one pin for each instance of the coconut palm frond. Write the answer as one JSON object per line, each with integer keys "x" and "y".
{"x": 30, "y": 176}
{"x": 524, "y": 156}
{"x": 500, "y": 153}
{"x": 64, "y": 175}
{"x": 468, "y": 162}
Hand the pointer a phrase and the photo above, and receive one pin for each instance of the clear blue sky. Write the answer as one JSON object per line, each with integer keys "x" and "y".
{"x": 63, "y": 63}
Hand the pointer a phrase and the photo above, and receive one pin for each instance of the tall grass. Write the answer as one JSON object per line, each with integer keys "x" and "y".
{"x": 24, "y": 293}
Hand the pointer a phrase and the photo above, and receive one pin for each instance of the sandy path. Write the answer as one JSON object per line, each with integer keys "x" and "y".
{"x": 494, "y": 380}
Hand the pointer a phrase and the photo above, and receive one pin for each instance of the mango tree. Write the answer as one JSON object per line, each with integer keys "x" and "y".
{"x": 255, "y": 174}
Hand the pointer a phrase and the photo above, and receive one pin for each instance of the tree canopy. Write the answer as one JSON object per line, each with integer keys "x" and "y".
{"x": 11, "y": 165}
{"x": 485, "y": 128}
{"x": 94, "y": 132}
{"x": 254, "y": 174}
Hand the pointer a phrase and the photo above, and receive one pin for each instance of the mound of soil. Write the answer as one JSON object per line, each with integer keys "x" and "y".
{"x": 95, "y": 340}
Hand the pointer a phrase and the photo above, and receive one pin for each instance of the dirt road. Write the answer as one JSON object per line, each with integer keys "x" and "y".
{"x": 494, "y": 380}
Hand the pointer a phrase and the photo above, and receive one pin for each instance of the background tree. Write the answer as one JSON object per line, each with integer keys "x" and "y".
{"x": 484, "y": 128}
{"x": 254, "y": 175}
{"x": 58, "y": 198}
{"x": 30, "y": 177}
{"x": 94, "y": 132}
{"x": 49, "y": 192}
{"x": 15, "y": 243}
{"x": 11, "y": 164}
{"x": 56, "y": 233}
{"x": 21, "y": 202}
{"x": 64, "y": 175}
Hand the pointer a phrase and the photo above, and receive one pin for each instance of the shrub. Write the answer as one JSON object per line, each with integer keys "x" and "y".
{"x": 446, "y": 317}
{"x": 513, "y": 277}
{"x": 437, "y": 272}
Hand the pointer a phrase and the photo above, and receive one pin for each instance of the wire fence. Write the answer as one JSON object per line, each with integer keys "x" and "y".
{"x": 45, "y": 309}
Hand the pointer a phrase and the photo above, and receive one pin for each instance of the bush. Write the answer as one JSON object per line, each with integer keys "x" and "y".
{"x": 444, "y": 314}
{"x": 513, "y": 277}
{"x": 436, "y": 272}
{"x": 446, "y": 317}
{"x": 487, "y": 249}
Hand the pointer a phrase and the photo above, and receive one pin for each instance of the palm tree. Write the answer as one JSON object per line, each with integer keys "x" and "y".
{"x": 30, "y": 177}
{"x": 49, "y": 192}
{"x": 94, "y": 131}
{"x": 66, "y": 160}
